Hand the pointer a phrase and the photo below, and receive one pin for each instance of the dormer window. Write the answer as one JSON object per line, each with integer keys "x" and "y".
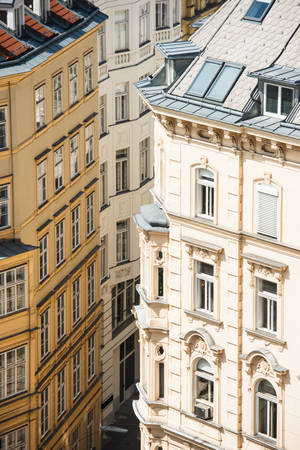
{"x": 19, "y": 20}
{"x": 278, "y": 100}
{"x": 258, "y": 10}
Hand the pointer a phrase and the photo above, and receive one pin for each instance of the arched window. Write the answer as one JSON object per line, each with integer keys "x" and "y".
{"x": 204, "y": 389}
{"x": 266, "y": 410}
{"x": 205, "y": 193}
{"x": 267, "y": 210}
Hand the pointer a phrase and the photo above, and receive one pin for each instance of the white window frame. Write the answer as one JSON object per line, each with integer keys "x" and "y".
{"x": 121, "y": 102}
{"x": 40, "y": 106}
{"x": 161, "y": 14}
{"x": 103, "y": 257}
{"x": 144, "y": 159}
{"x": 60, "y": 302}
{"x": 102, "y": 115}
{"x": 272, "y": 191}
{"x": 144, "y": 24}
{"x": 121, "y": 30}
{"x": 209, "y": 377}
{"x": 3, "y": 127}
{"x": 4, "y": 206}
{"x": 16, "y": 439}
{"x": 269, "y": 399}
{"x": 91, "y": 357}
{"x": 12, "y": 363}
{"x": 209, "y": 282}
{"x": 73, "y": 83}
{"x": 58, "y": 169}
{"x": 61, "y": 380}
{"x": 89, "y": 143}
{"x": 43, "y": 257}
{"x": 57, "y": 94}
{"x": 122, "y": 241}
{"x": 44, "y": 411}
{"x": 176, "y": 12}
{"x": 60, "y": 242}
{"x": 91, "y": 285}
{"x": 45, "y": 331}
{"x": 74, "y": 157}
{"x": 103, "y": 185}
{"x": 76, "y": 299}
{"x": 12, "y": 281}
{"x": 76, "y": 375}
{"x": 42, "y": 182}
{"x": 278, "y": 114}
{"x": 88, "y": 73}
{"x": 209, "y": 188}
{"x": 102, "y": 44}
{"x": 271, "y": 303}
{"x": 122, "y": 170}
{"x": 75, "y": 216}
{"x": 90, "y": 226}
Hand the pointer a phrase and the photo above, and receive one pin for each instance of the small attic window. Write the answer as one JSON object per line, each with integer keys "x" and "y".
{"x": 278, "y": 100}
{"x": 3, "y": 16}
{"x": 258, "y": 10}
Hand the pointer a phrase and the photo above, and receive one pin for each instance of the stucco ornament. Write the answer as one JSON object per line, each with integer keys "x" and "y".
{"x": 247, "y": 143}
{"x": 263, "y": 367}
{"x": 278, "y": 150}
{"x": 197, "y": 345}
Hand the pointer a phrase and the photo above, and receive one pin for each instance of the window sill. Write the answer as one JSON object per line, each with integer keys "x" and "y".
{"x": 12, "y": 397}
{"x": 58, "y": 116}
{"x": 43, "y": 204}
{"x": 6, "y": 227}
{"x": 122, "y": 325}
{"x": 86, "y": 94}
{"x": 102, "y": 135}
{"x": 44, "y": 279}
{"x": 121, "y": 263}
{"x": 124, "y": 191}
{"x": 101, "y": 63}
{"x": 204, "y": 316}
{"x": 3, "y": 149}
{"x": 118, "y": 122}
{"x": 123, "y": 50}
{"x": 143, "y": 294}
{"x": 145, "y": 181}
{"x": 162, "y": 28}
{"x": 103, "y": 280}
{"x": 142, "y": 44}
{"x": 13, "y": 312}
{"x": 40, "y": 128}
{"x": 89, "y": 163}
{"x": 209, "y": 422}
{"x": 267, "y": 443}
{"x": 60, "y": 264}
{"x": 74, "y": 250}
{"x": 265, "y": 335}
{"x": 59, "y": 190}
{"x": 75, "y": 176}
{"x": 143, "y": 113}
{"x": 88, "y": 236}
{"x": 103, "y": 207}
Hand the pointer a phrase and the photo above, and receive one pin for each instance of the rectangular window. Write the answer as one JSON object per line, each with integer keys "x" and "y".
{"x": 60, "y": 316}
{"x": 89, "y": 143}
{"x": 205, "y": 194}
{"x": 122, "y": 170}
{"x": 258, "y": 10}
{"x": 73, "y": 83}
{"x": 76, "y": 299}
{"x": 12, "y": 290}
{"x": 42, "y": 182}
{"x": 266, "y": 305}
{"x": 90, "y": 214}
{"x": 122, "y": 241}
{"x": 144, "y": 24}
{"x": 4, "y": 206}
{"x": 3, "y": 127}
{"x": 88, "y": 73}
{"x": 61, "y": 392}
{"x": 44, "y": 334}
{"x": 161, "y": 13}
{"x": 59, "y": 236}
{"x": 58, "y": 169}
{"x": 14, "y": 440}
{"x": 40, "y": 107}
{"x": 102, "y": 115}
{"x": 160, "y": 281}
{"x": 75, "y": 439}
{"x": 176, "y": 12}
{"x": 76, "y": 374}
{"x": 103, "y": 257}
{"x": 204, "y": 287}
{"x": 57, "y": 95}
{"x": 161, "y": 380}
{"x": 91, "y": 284}
{"x": 144, "y": 159}
{"x": 43, "y": 257}
{"x": 143, "y": 105}
{"x": 103, "y": 185}
{"x": 121, "y": 102}
{"x": 12, "y": 372}
{"x": 44, "y": 411}
{"x": 102, "y": 45}
{"x": 75, "y": 228}
{"x": 90, "y": 431}
{"x": 91, "y": 357}
{"x": 121, "y": 30}
{"x": 278, "y": 100}
{"x": 74, "y": 158}
{"x": 122, "y": 301}
{"x": 267, "y": 210}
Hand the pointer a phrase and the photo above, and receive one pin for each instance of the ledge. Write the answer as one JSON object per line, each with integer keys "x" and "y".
{"x": 265, "y": 261}
{"x": 201, "y": 244}
{"x": 146, "y": 300}
{"x": 262, "y": 441}
{"x": 204, "y": 316}
{"x": 265, "y": 335}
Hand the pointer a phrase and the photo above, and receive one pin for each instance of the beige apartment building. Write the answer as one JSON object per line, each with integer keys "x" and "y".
{"x": 50, "y": 307}
{"x": 220, "y": 256}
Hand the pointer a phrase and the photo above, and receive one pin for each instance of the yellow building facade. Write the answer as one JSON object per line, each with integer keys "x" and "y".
{"x": 193, "y": 11}
{"x": 50, "y": 307}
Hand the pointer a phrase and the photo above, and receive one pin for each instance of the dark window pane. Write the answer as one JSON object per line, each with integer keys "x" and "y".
{"x": 272, "y": 99}
{"x": 129, "y": 371}
{"x": 286, "y": 100}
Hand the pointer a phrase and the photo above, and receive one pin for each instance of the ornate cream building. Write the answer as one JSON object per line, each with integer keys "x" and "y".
{"x": 220, "y": 255}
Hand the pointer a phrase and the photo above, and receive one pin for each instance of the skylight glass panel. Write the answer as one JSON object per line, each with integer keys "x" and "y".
{"x": 223, "y": 83}
{"x": 258, "y": 9}
{"x": 204, "y": 78}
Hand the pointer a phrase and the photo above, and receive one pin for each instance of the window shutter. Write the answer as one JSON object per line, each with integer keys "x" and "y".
{"x": 267, "y": 211}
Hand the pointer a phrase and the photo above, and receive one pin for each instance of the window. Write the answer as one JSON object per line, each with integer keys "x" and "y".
{"x": 266, "y": 410}
{"x": 73, "y": 80}
{"x": 121, "y": 100}
{"x": 75, "y": 228}
{"x": 90, "y": 214}
{"x": 90, "y": 431}
{"x": 176, "y": 12}
{"x": 103, "y": 185}
{"x": 258, "y": 10}
{"x": 102, "y": 115}
{"x": 278, "y": 100}
{"x": 143, "y": 105}
{"x": 74, "y": 160}
{"x": 88, "y": 73}
{"x": 161, "y": 380}
{"x": 15, "y": 440}
{"x": 205, "y": 194}
{"x": 121, "y": 30}
{"x": 40, "y": 107}
{"x": 3, "y": 129}
{"x": 122, "y": 301}
{"x": 102, "y": 44}
{"x": 44, "y": 411}
{"x": 75, "y": 439}
{"x": 122, "y": 243}
{"x": 57, "y": 95}
{"x": 204, "y": 388}
{"x": 144, "y": 24}
{"x": 103, "y": 257}
{"x": 144, "y": 159}
{"x": 44, "y": 333}
{"x": 89, "y": 143}
{"x": 19, "y": 20}
{"x": 162, "y": 13}
{"x": 60, "y": 316}
{"x": 61, "y": 392}
{"x": 204, "y": 287}
{"x": 91, "y": 284}
{"x": 266, "y": 305}
{"x": 59, "y": 234}
{"x": 76, "y": 374}
{"x": 122, "y": 170}
{"x": 42, "y": 182}
{"x": 267, "y": 210}
{"x": 76, "y": 299}
{"x": 12, "y": 372}
{"x": 58, "y": 169}
{"x": 4, "y": 206}
{"x": 160, "y": 282}
{"x": 43, "y": 243}
{"x": 12, "y": 290}
{"x": 91, "y": 357}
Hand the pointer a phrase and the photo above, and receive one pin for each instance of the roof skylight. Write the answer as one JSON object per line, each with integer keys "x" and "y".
{"x": 204, "y": 78}
{"x": 258, "y": 10}
{"x": 223, "y": 83}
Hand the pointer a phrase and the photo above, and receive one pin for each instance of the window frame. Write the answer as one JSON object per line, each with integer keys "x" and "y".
{"x": 8, "y": 285}
{"x": 271, "y": 298}
{"x": 76, "y": 298}
{"x": 73, "y": 83}
{"x": 40, "y": 106}
{"x": 58, "y": 169}
{"x": 76, "y": 375}
{"x": 13, "y": 368}
{"x": 122, "y": 170}
{"x": 102, "y": 115}
{"x": 4, "y": 437}
{"x": 144, "y": 159}
{"x": 61, "y": 394}
{"x": 210, "y": 194}
{"x": 45, "y": 334}
{"x": 90, "y": 214}
{"x": 210, "y": 378}
{"x": 263, "y": 187}
{"x": 3, "y": 127}
{"x": 91, "y": 357}
{"x": 74, "y": 156}
{"x": 42, "y": 182}
{"x": 118, "y": 44}
{"x": 89, "y": 143}
{"x": 121, "y": 103}
{"x": 102, "y": 44}
{"x": 60, "y": 242}
{"x": 88, "y": 72}
{"x": 144, "y": 23}
{"x": 75, "y": 226}
{"x": 269, "y": 399}
{"x": 45, "y": 411}
{"x": 159, "y": 14}
{"x": 5, "y": 204}
{"x": 57, "y": 94}
{"x": 280, "y": 87}
{"x": 43, "y": 258}
{"x": 104, "y": 257}
{"x": 253, "y": 19}
{"x": 103, "y": 185}
{"x": 91, "y": 285}
{"x": 124, "y": 249}
{"x": 61, "y": 316}
{"x": 208, "y": 280}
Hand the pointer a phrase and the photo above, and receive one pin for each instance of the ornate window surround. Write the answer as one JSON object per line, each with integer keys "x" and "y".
{"x": 202, "y": 163}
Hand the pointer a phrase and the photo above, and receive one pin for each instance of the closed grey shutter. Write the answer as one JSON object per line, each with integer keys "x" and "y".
{"x": 267, "y": 211}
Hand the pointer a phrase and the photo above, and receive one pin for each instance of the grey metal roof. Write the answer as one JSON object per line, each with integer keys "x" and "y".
{"x": 199, "y": 23}
{"x": 279, "y": 74}
{"x": 12, "y": 247}
{"x": 152, "y": 218}
{"x": 179, "y": 49}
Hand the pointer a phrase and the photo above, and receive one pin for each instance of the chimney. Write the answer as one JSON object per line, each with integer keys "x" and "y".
{"x": 41, "y": 8}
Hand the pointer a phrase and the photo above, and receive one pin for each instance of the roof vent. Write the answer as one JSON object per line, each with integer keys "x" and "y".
{"x": 13, "y": 16}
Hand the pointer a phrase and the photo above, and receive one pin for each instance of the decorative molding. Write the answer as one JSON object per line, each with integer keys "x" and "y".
{"x": 215, "y": 137}
{"x": 263, "y": 267}
{"x": 203, "y": 251}
{"x": 263, "y": 362}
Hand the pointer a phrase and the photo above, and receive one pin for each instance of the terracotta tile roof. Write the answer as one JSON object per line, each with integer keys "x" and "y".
{"x": 10, "y": 47}
{"x": 58, "y": 10}
{"x": 37, "y": 27}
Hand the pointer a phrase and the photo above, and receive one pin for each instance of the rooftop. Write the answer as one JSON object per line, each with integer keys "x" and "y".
{"x": 13, "y": 247}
